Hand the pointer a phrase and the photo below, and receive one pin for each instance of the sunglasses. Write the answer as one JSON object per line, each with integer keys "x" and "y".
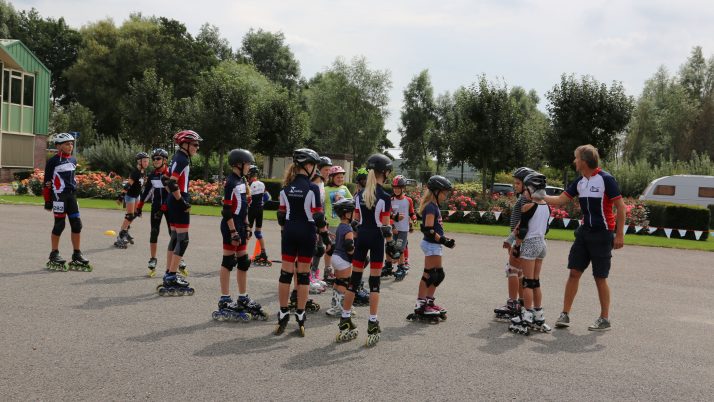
{"x": 195, "y": 144}
{"x": 158, "y": 158}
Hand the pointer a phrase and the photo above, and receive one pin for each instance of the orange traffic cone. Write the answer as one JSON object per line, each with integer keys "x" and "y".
{"x": 256, "y": 250}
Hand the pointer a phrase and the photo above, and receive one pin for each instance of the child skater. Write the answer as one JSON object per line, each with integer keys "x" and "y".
{"x": 342, "y": 255}
{"x": 130, "y": 195}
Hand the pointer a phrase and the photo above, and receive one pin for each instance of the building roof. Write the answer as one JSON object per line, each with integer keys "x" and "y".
{"x": 17, "y": 56}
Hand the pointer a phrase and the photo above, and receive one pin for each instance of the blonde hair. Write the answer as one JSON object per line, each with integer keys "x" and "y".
{"x": 370, "y": 190}
{"x": 290, "y": 173}
{"x": 426, "y": 198}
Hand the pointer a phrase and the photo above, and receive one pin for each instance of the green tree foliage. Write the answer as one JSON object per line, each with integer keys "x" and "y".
{"x": 445, "y": 125}
{"x": 417, "y": 121}
{"x": 8, "y": 19}
{"x": 348, "y": 107}
{"x": 148, "y": 111}
{"x": 532, "y": 136}
{"x": 210, "y": 37}
{"x": 74, "y": 117}
{"x": 269, "y": 54}
{"x": 112, "y": 56}
{"x": 489, "y": 122}
{"x": 584, "y": 111}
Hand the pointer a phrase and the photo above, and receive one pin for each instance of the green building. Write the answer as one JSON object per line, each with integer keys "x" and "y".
{"x": 25, "y": 112}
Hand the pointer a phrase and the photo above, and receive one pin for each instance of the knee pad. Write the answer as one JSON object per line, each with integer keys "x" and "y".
{"x": 181, "y": 244}
{"x": 154, "y": 234}
{"x": 172, "y": 241}
{"x": 536, "y": 283}
{"x": 303, "y": 278}
{"x": 438, "y": 276}
{"x": 513, "y": 271}
{"x": 286, "y": 277}
{"x": 529, "y": 283}
{"x": 319, "y": 251}
{"x": 58, "y": 228}
{"x": 243, "y": 263}
{"x": 428, "y": 276}
{"x": 374, "y": 282}
{"x": 355, "y": 281}
{"x": 129, "y": 217}
{"x": 75, "y": 224}
{"x": 258, "y": 234}
{"x": 342, "y": 282}
{"x": 228, "y": 262}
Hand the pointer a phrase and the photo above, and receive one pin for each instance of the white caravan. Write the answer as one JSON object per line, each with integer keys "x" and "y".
{"x": 681, "y": 189}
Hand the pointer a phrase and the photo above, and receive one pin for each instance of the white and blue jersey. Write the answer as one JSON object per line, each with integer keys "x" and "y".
{"x": 596, "y": 195}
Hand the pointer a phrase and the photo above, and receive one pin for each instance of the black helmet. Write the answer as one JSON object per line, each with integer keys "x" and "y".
{"x": 439, "y": 183}
{"x": 535, "y": 181}
{"x": 324, "y": 161}
{"x": 522, "y": 172}
{"x": 379, "y": 163}
{"x": 160, "y": 152}
{"x": 343, "y": 206}
{"x": 253, "y": 170}
{"x": 141, "y": 155}
{"x": 239, "y": 155}
{"x": 305, "y": 155}
{"x": 399, "y": 181}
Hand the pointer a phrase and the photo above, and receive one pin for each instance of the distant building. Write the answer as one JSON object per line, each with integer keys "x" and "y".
{"x": 25, "y": 112}
{"x": 274, "y": 167}
{"x": 454, "y": 174}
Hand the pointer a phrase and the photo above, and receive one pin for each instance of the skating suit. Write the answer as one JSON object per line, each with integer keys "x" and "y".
{"x": 155, "y": 192}
{"x": 369, "y": 234}
{"x": 179, "y": 170}
{"x": 60, "y": 173}
{"x": 236, "y": 199}
{"x": 299, "y": 200}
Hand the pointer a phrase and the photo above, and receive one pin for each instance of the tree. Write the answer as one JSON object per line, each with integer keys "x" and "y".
{"x": 148, "y": 111}
{"x": 442, "y": 136}
{"x": 487, "y": 127}
{"x": 348, "y": 107}
{"x": 417, "y": 121}
{"x": 210, "y": 36}
{"x": 8, "y": 19}
{"x": 584, "y": 111}
{"x": 269, "y": 54}
{"x": 529, "y": 150}
{"x": 74, "y": 117}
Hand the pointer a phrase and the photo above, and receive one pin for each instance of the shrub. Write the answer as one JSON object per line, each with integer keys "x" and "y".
{"x": 112, "y": 155}
{"x": 711, "y": 216}
{"x": 679, "y": 216}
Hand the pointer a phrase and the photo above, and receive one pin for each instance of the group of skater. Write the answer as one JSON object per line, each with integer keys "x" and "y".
{"x": 365, "y": 234}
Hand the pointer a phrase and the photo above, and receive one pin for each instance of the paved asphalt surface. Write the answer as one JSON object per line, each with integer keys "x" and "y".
{"x": 107, "y": 335}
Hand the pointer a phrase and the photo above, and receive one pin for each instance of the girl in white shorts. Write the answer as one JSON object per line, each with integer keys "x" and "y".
{"x": 342, "y": 253}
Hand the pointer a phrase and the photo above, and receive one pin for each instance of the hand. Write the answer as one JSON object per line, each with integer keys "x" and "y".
{"x": 120, "y": 198}
{"x": 619, "y": 241}
{"x": 507, "y": 245}
{"x": 516, "y": 250}
{"x": 235, "y": 238}
{"x": 354, "y": 225}
{"x": 248, "y": 234}
{"x": 186, "y": 204}
{"x": 48, "y": 205}
{"x": 450, "y": 243}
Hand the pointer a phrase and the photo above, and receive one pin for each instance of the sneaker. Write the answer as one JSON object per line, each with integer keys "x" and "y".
{"x": 601, "y": 324}
{"x": 563, "y": 321}
{"x": 334, "y": 311}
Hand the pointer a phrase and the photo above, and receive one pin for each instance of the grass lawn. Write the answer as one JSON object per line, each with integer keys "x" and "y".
{"x": 488, "y": 230}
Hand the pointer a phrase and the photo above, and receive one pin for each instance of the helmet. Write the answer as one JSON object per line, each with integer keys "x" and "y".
{"x": 239, "y": 155}
{"x": 186, "y": 136}
{"x": 343, "y": 206}
{"x": 361, "y": 174}
{"x": 324, "y": 161}
{"x": 439, "y": 183}
{"x": 535, "y": 181}
{"x": 62, "y": 138}
{"x": 335, "y": 170}
{"x": 522, "y": 172}
{"x": 141, "y": 155}
{"x": 399, "y": 181}
{"x": 160, "y": 152}
{"x": 253, "y": 170}
{"x": 305, "y": 155}
{"x": 379, "y": 163}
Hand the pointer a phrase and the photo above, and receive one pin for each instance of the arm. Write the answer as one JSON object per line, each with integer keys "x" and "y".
{"x": 47, "y": 185}
{"x": 620, "y": 223}
{"x": 558, "y": 200}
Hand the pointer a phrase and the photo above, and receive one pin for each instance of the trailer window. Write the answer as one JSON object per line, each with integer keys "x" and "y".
{"x": 664, "y": 190}
{"x": 706, "y": 192}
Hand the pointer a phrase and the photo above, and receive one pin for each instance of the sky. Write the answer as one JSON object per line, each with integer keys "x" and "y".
{"x": 528, "y": 43}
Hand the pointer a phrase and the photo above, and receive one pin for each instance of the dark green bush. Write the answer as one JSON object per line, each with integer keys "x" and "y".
{"x": 711, "y": 216}
{"x": 22, "y": 174}
{"x": 679, "y": 216}
{"x": 112, "y": 155}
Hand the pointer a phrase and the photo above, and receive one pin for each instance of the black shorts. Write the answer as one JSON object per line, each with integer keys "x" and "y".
{"x": 176, "y": 215}
{"x": 298, "y": 242}
{"x": 255, "y": 215}
{"x": 65, "y": 204}
{"x": 592, "y": 246}
{"x": 369, "y": 240}
{"x": 226, "y": 234}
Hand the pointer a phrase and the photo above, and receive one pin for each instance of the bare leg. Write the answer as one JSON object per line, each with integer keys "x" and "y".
{"x": 603, "y": 292}
{"x": 571, "y": 289}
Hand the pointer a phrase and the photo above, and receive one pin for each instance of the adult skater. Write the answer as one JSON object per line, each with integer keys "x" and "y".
{"x": 156, "y": 193}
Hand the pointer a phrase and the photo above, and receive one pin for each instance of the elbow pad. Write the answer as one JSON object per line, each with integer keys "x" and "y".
{"x": 429, "y": 232}
{"x": 325, "y": 238}
{"x": 386, "y": 230}
{"x": 319, "y": 218}
{"x": 282, "y": 217}
{"x": 226, "y": 212}
{"x": 127, "y": 186}
{"x": 349, "y": 245}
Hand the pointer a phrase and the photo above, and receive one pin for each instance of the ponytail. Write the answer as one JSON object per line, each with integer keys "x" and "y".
{"x": 426, "y": 198}
{"x": 370, "y": 190}
{"x": 290, "y": 172}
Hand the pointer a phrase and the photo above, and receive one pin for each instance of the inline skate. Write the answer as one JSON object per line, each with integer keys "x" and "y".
{"x": 56, "y": 262}
{"x": 79, "y": 263}
{"x": 348, "y": 330}
{"x": 419, "y": 313}
{"x": 228, "y": 310}
{"x": 373, "y": 332}
{"x": 182, "y": 269}
{"x": 262, "y": 260}
{"x": 335, "y": 309}
{"x": 507, "y": 311}
{"x": 329, "y": 276}
{"x": 522, "y": 323}
{"x": 174, "y": 285}
{"x": 310, "y": 306}
{"x": 129, "y": 237}
{"x": 252, "y": 307}
{"x": 283, "y": 318}
{"x": 539, "y": 321}
{"x": 316, "y": 286}
{"x": 387, "y": 270}
{"x": 361, "y": 296}
{"x": 152, "y": 267}
{"x": 435, "y": 308}
{"x": 300, "y": 318}
{"x": 122, "y": 241}
{"x": 400, "y": 273}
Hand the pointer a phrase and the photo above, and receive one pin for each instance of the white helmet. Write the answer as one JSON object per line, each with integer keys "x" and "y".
{"x": 62, "y": 137}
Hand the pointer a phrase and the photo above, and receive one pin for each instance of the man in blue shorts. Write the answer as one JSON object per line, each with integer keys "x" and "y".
{"x": 601, "y": 231}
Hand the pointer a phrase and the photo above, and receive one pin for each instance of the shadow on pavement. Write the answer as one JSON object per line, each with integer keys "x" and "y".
{"x": 39, "y": 271}
{"x": 500, "y": 340}
{"x": 323, "y": 356}
{"x": 261, "y": 344}
{"x": 112, "y": 281}
{"x": 159, "y": 335}
{"x": 100, "y": 303}
{"x": 567, "y": 342}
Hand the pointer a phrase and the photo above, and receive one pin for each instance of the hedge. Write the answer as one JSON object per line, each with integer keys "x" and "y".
{"x": 711, "y": 216}
{"x": 679, "y": 216}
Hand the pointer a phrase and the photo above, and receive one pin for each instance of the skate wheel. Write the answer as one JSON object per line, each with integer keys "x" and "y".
{"x": 302, "y": 331}
{"x": 215, "y": 315}
{"x": 443, "y": 316}
{"x": 162, "y": 291}
{"x": 190, "y": 292}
